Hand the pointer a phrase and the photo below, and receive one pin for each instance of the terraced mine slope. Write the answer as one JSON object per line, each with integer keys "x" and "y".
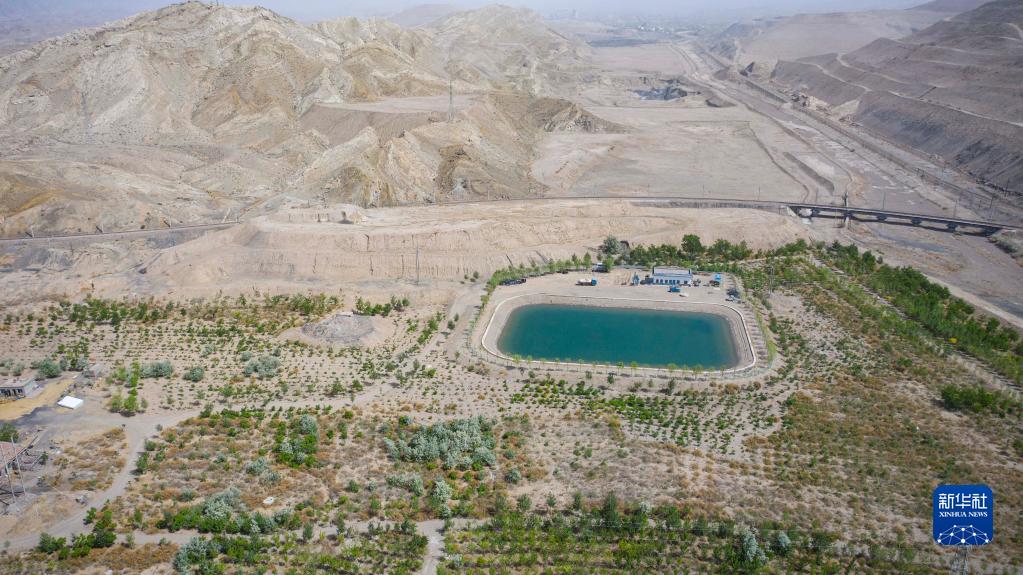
{"x": 952, "y": 90}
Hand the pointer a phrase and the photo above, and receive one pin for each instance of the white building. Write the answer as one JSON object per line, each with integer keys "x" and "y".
{"x": 670, "y": 276}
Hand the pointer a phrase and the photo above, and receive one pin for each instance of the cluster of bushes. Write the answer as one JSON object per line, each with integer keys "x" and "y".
{"x": 411, "y": 482}
{"x": 297, "y": 442}
{"x": 194, "y": 374}
{"x": 131, "y": 403}
{"x": 397, "y": 551}
{"x": 945, "y": 316}
{"x": 96, "y": 311}
{"x": 457, "y": 444}
{"x": 263, "y": 367}
{"x": 8, "y": 432}
{"x": 363, "y": 307}
{"x": 47, "y": 368}
{"x": 157, "y": 369}
{"x": 316, "y": 305}
{"x": 152, "y": 452}
{"x": 200, "y": 555}
{"x": 978, "y": 399}
{"x": 260, "y": 468}
{"x": 116, "y": 313}
{"x": 691, "y": 252}
{"x": 225, "y": 512}
{"x": 432, "y": 325}
{"x": 102, "y": 536}
{"x": 612, "y": 537}
{"x": 11, "y": 367}
{"x": 74, "y": 357}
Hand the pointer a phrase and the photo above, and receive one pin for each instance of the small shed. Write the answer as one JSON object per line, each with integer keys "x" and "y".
{"x": 17, "y": 388}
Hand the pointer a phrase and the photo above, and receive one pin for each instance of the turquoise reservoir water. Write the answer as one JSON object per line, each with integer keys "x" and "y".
{"x": 610, "y": 335}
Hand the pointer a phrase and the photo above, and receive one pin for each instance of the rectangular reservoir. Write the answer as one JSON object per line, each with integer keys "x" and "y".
{"x": 613, "y": 335}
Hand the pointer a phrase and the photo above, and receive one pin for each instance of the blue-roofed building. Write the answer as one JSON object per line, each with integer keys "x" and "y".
{"x": 670, "y": 276}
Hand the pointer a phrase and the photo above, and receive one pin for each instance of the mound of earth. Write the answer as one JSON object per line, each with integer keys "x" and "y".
{"x": 344, "y": 329}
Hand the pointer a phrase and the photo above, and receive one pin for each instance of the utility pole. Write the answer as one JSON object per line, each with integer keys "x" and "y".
{"x": 451, "y": 90}
{"x": 451, "y": 100}
{"x": 417, "y": 262}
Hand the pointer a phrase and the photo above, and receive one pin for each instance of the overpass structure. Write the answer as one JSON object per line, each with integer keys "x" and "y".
{"x": 951, "y": 224}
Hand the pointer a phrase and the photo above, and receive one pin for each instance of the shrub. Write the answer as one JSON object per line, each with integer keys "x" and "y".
{"x": 8, "y": 432}
{"x": 750, "y": 553}
{"x": 264, "y": 367}
{"x": 48, "y": 369}
{"x": 257, "y": 467}
{"x": 458, "y": 443}
{"x": 307, "y": 424}
{"x": 412, "y": 482}
{"x": 441, "y": 492}
{"x": 50, "y": 544}
{"x": 976, "y": 399}
{"x": 196, "y": 557}
{"x": 157, "y": 369}
{"x": 194, "y": 374}
{"x": 782, "y": 543}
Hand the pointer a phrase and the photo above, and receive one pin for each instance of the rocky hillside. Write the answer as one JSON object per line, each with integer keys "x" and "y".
{"x": 512, "y": 48}
{"x": 422, "y": 14}
{"x": 195, "y": 112}
{"x": 764, "y": 41}
{"x": 25, "y": 22}
{"x": 953, "y": 90}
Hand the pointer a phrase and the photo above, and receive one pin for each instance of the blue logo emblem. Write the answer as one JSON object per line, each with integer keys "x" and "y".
{"x": 963, "y": 515}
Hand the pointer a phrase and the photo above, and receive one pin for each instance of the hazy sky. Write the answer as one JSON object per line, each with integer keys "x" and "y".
{"x": 306, "y": 9}
{"x": 320, "y": 9}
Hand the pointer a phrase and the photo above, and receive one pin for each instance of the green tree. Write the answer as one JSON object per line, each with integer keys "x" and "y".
{"x": 8, "y": 432}
{"x": 691, "y": 245}
{"x": 611, "y": 246}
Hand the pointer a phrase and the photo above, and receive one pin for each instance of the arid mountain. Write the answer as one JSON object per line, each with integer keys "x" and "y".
{"x": 954, "y": 90}
{"x": 954, "y": 6}
{"x": 422, "y": 14}
{"x": 512, "y": 48}
{"x": 764, "y": 41}
{"x": 25, "y": 22}
{"x": 196, "y": 112}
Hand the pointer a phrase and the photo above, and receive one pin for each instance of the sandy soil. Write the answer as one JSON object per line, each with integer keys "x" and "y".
{"x": 51, "y": 393}
{"x": 305, "y": 250}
